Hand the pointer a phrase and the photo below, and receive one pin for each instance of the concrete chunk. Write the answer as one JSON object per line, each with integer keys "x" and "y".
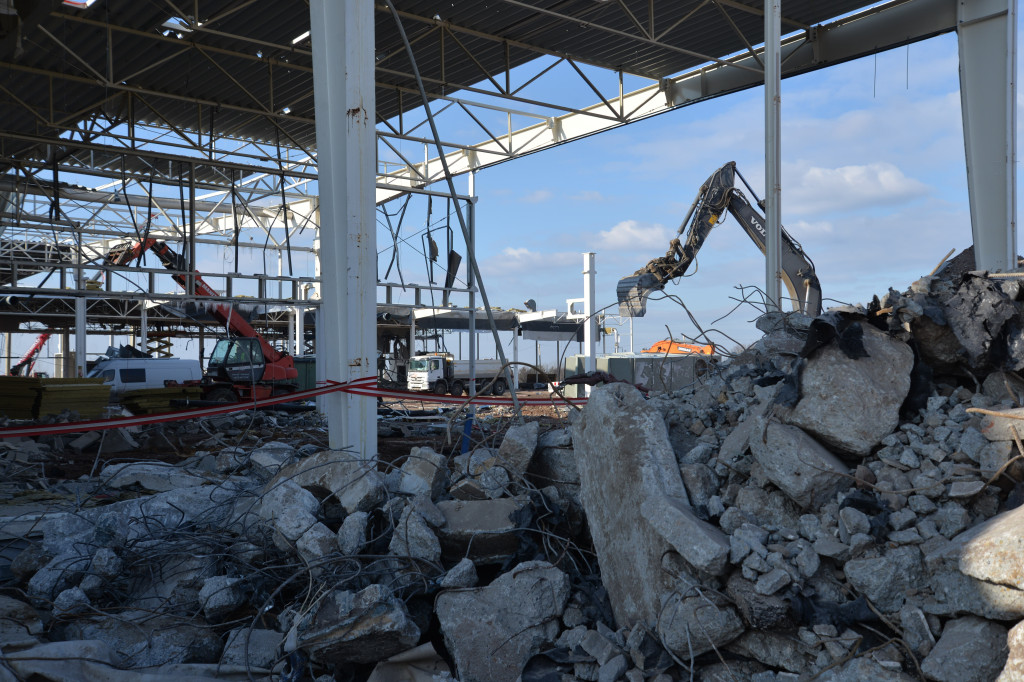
{"x": 634, "y": 497}
{"x": 252, "y": 648}
{"x": 357, "y": 484}
{"x": 155, "y": 477}
{"x": 808, "y": 473}
{"x": 354, "y": 627}
{"x": 518, "y": 447}
{"x": 850, "y": 404}
{"x": 971, "y": 649}
{"x": 424, "y": 472}
{"x": 483, "y": 530}
{"x": 493, "y": 631}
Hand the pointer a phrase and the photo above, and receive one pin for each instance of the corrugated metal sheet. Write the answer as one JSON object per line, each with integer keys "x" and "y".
{"x": 195, "y": 83}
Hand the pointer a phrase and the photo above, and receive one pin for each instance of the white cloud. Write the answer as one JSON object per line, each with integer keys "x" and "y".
{"x": 587, "y": 195}
{"x": 631, "y": 235}
{"x": 851, "y": 187}
{"x": 802, "y": 227}
{"x": 538, "y": 196}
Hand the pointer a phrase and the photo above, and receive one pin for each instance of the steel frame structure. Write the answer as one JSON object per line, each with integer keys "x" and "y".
{"x": 230, "y": 161}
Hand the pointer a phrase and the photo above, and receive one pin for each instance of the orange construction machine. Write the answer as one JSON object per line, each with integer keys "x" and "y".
{"x": 243, "y": 366}
{"x": 670, "y": 347}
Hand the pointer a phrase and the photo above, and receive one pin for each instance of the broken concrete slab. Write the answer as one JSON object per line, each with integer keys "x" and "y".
{"x": 153, "y": 476}
{"x": 252, "y": 648}
{"x": 316, "y": 543}
{"x": 482, "y": 530}
{"x": 1001, "y": 427}
{"x": 354, "y": 627}
{"x": 517, "y": 448}
{"x": 462, "y": 574}
{"x": 850, "y": 404}
{"x": 634, "y": 497}
{"x": 356, "y": 483}
{"x": 493, "y": 631}
{"x": 220, "y": 595}
{"x": 1013, "y": 671}
{"x": 988, "y": 577}
{"x": 971, "y": 649}
{"x": 885, "y": 580}
{"x": 691, "y": 626}
{"x": 19, "y": 624}
{"x": 791, "y": 459}
{"x": 352, "y": 534}
{"x": 413, "y": 538}
{"x": 145, "y": 640}
{"x": 288, "y": 507}
{"x": 760, "y": 611}
{"x": 421, "y": 664}
{"x": 424, "y": 472}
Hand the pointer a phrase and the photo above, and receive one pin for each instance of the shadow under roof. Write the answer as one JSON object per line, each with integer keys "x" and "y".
{"x": 121, "y": 61}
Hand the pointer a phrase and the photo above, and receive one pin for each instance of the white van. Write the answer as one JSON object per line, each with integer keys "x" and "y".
{"x": 131, "y": 374}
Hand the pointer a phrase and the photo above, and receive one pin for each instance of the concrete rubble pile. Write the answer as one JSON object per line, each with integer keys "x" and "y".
{"x": 840, "y": 502}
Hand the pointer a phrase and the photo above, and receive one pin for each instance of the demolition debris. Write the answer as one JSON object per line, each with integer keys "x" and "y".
{"x": 840, "y": 502}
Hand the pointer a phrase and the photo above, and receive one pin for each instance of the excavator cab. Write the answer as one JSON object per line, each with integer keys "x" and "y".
{"x": 238, "y": 361}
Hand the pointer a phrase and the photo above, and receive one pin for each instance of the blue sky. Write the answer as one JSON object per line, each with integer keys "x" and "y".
{"x": 874, "y": 187}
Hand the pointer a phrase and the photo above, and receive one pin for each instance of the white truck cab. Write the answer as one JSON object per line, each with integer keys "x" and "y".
{"x": 441, "y": 373}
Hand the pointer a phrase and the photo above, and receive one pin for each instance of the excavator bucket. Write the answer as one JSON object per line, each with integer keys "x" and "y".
{"x": 633, "y": 292}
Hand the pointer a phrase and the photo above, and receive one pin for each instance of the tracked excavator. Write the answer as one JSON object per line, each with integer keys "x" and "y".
{"x": 717, "y": 195}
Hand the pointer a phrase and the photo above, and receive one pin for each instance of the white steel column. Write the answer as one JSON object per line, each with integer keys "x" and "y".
{"x": 515, "y": 358}
{"x": 81, "y": 339}
{"x": 298, "y": 329}
{"x": 342, "y": 33}
{"x": 143, "y": 326}
{"x": 590, "y": 321}
{"x": 987, "y": 32}
{"x": 294, "y": 321}
{"x": 772, "y": 150}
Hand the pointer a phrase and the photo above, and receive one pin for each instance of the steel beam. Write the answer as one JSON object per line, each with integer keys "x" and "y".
{"x": 773, "y": 152}
{"x": 81, "y": 341}
{"x": 987, "y": 32}
{"x": 342, "y": 34}
{"x": 874, "y": 30}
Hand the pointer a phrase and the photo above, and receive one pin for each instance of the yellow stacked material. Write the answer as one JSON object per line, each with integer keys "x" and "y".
{"x": 31, "y": 398}
{"x": 150, "y": 400}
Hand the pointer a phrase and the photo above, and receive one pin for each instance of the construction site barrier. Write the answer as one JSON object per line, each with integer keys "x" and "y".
{"x": 363, "y": 387}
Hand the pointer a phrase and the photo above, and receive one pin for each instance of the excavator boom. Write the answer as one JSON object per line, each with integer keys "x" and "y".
{"x": 716, "y": 196}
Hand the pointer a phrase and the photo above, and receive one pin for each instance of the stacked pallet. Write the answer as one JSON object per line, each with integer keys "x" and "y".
{"x": 150, "y": 400}
{"x": 31, "y": 397}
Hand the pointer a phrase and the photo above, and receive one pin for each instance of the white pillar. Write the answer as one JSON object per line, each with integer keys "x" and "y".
{"x": 772, "y": 150}
{"x": 987, "y": 32}
{"x": 143, "y": 326}
{"x": 342, "y": 33}
{"x": 515, "y": 358}
{"x": 81, "y": 339}
{"x": 297, "y": 329}
{"x": 590, "y": 322}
